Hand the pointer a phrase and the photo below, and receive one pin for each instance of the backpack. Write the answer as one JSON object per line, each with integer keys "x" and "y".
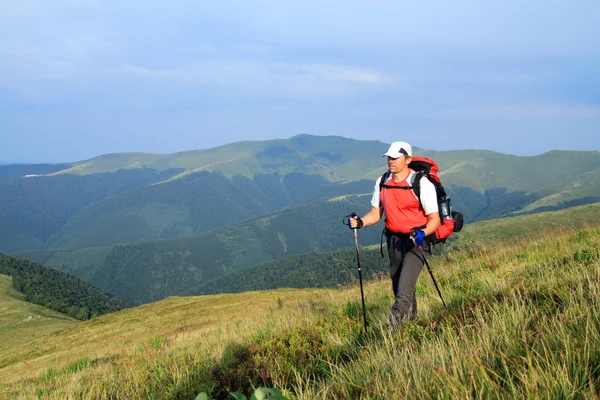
{"x": 451, "y": 221}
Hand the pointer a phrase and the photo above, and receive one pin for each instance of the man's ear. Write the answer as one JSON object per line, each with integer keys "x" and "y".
{"x": 408, "y": 160}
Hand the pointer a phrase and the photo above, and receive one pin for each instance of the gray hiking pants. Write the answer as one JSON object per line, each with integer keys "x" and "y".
{"x": 406, "y": 262}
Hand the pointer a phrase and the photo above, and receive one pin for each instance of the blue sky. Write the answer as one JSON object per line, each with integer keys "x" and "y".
{"x": 80, "y": 78}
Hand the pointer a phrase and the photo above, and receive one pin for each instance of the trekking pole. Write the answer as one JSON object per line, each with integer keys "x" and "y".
{"x": 432, "y": 278}
{"x": 362, "y": 295}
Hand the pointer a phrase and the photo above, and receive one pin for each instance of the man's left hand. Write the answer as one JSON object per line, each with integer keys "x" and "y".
{"x": 418, "y": 237}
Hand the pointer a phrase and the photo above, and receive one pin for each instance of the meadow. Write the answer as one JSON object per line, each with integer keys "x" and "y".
{"x": 523, "y": 321}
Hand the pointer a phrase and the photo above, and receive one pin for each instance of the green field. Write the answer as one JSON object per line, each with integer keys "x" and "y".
{"x": 523, "y": 322}
{"x": 22, "y": 324}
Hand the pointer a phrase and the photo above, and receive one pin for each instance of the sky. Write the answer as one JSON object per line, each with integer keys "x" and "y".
{"x": 81, "y": 78}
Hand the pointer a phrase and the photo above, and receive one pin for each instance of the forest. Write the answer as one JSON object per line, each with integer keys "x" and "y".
{"x": 58, "y": 290}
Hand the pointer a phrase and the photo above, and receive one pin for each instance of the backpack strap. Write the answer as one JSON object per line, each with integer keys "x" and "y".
{"x": 384, "y": 179}
{"x": 416, "y": 187}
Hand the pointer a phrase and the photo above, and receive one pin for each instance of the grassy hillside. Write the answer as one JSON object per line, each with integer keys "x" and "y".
{"x": 111, "y": 163}
{"x": 486, "y": 170}
{"x": 9, "y": 171}
{"x": 57, "y": 290}
{"x": 518, "y": 326}
{"x": 22, "y": 322}
{"x": 332, "y": 157}
{"x": 334, "y": 268}
{"x": 198, "y": 264}
{"x": 581, "y": 190}
{"x": 335, "y": 159}
{"x": 152, "y": 270}
{"x": 198, "y": 203}
{"x": 33, "y": 209}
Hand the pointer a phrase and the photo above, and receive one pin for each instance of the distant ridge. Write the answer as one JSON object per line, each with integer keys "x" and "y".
{"x": 8, "y": 170}
{"x": 127, "y": 198}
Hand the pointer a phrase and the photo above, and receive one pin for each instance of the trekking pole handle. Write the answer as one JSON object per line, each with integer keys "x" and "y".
{"x": 347, "y": 219}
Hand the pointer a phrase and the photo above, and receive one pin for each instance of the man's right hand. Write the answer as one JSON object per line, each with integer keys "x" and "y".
{"x": 356, "y": 222}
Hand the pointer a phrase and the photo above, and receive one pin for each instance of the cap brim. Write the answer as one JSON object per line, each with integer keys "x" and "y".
{"x": 396, "y": 155}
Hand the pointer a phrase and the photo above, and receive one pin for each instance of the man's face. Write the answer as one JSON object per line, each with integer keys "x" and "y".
{"x": 397, "y": 164}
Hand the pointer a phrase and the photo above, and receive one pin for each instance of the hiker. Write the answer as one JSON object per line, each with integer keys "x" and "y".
{"x": 407, "y": 224}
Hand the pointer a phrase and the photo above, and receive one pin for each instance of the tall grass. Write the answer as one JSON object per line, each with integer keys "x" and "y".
{"x": 523, "y": 322}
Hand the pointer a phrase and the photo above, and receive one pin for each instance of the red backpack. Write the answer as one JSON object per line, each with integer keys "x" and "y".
{"x": 451, "y": 221}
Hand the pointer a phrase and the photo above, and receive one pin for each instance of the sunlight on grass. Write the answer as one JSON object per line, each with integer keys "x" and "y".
{"x": 523, "y": 322}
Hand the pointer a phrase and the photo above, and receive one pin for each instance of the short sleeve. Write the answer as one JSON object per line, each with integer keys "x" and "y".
{"x": 375, "y": 201}
{"x": 428, "y": 196}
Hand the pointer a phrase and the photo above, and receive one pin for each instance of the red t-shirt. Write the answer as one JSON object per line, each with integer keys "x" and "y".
{"x": 401, "y": 207}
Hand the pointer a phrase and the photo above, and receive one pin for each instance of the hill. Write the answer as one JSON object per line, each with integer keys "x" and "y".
{"x": 281, "y": 250}
{"x": 153, "y": 270}
{"x": 57, "y": 290}
{"x": 518, "y": 325}
{"x": 126, "y": 198}
{"x": 331, "y": 157}
{"x": 196, "y": 203}
{"x": 8, "y": 171}
{"x": 34, "y": 208}
{"x": 22, "y": 322}
{"x": 334, "y": 268}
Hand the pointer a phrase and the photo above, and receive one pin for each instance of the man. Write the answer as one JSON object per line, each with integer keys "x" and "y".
{"x": 406, "y": 226}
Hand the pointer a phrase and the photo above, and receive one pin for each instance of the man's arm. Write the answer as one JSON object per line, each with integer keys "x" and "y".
{"x": 428, "y": 197}
{"x": 433, "y": 222}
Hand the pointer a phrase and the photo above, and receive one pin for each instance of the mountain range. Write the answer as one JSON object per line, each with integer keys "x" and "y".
{"x": 146, "y": 226}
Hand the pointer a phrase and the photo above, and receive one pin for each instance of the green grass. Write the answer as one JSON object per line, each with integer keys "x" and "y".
{"x": 551, "y": 222}
{"x": 523, "y": 322}
{"x": 22, "y": 322}
{"x": 110, "y": 163}
{"x": 581, "y": 186}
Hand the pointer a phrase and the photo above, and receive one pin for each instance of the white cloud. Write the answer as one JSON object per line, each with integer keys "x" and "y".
{"x": 290, "y": 80}
{"x": 345, "y": 73}
{"x": 527, "y": 111}
{"x": 215, "y": 70}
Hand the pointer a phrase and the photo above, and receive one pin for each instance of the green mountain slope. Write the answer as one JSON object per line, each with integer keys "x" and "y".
{"x": 485, "y": 170}
{"x": 57, "y": 290}
{"x": 210, "y": 262}
{"x": 196, "y": 203}
{"x": 152, "y": 270}
{"x": 111, "y": 163}
{"x": 130, "y": 197}
{"x": 332, "y": 157}
{"x": 9, "y": 171}
{"x": 330, "y": 269}
{"x": 33, "y": 209}
{"x": 22, "y": 322}
{"x": 82, "y": 263}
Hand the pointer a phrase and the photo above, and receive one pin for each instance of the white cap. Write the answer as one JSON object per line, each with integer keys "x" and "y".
{"x": 398, "y": 149}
